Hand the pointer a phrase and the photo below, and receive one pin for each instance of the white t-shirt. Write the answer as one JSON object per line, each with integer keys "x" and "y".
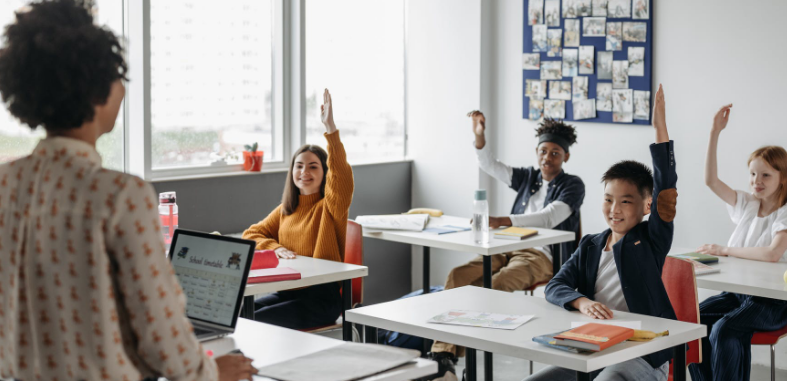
{"x": 535, "y": 205}
{"x": 751, "y": 230}
{"x": 608, "y": 290}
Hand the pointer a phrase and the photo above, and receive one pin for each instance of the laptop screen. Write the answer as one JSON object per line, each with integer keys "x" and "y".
{"x": 212, "y": 271}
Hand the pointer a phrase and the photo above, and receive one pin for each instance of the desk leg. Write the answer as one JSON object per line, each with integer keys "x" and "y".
{"x": 582, "y": 376}
{"x": 247, "y": 312}
{"x": 470, "y": 364}
{"x": 488, "y": 284}
{"x": 679, "y": 363}
{"x": 347, "y": 294}
{"x": 426, "y": 269}
{"x": 370, "y": 335}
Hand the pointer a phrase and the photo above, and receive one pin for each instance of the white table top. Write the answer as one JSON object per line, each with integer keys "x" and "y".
{"x": 744, "y": 276}
{"x": 268, "y": 344}
{"x": 463, "y": 241}
{"x": 313, "y": 271}
{"x": 410, "y": 316}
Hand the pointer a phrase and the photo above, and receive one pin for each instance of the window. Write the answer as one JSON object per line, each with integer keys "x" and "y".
{"x": 355, "y": 48}
{"x": 211, "y": 82}
{"x": 17, "y": 140}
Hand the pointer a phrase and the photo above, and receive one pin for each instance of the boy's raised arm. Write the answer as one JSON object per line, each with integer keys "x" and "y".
{"x": 665, "y": 194}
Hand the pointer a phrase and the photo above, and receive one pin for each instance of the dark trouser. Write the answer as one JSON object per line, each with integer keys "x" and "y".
{"x": 732, "y": 319}
{"x": 310, "y": 307}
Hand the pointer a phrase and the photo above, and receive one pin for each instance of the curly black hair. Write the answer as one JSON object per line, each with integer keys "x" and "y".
{"x": 634, "y": 172}
{"x": 56, "y": 65}
{"x": 557, "y": 127}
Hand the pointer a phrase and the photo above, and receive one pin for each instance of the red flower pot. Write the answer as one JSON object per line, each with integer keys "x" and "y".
{"x": 252, "y": 161}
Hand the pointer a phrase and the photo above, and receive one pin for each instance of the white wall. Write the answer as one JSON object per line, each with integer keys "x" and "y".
{"x": 443, "y": 84}
{"x": 706, "y": 56}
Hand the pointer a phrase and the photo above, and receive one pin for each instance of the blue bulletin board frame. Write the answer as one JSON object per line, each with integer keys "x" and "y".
{"x": 644, "y": 83}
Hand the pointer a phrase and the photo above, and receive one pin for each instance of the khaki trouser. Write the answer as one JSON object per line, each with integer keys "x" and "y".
{"x": 515, "y": 271}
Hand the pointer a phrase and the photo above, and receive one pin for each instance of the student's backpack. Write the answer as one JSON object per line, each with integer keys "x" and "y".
{"x": 403, "y": 340}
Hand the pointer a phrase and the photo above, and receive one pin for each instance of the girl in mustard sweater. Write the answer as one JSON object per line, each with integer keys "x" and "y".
{"x": 311, "y": 221}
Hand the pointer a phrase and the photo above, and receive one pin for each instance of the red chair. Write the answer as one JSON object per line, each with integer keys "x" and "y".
{"x": 681, "y": 284}
{"x": 770, "y": 338}
{"x": 353, "y": 254}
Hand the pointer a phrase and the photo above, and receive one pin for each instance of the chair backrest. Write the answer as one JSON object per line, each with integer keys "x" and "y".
{"x": 681, "y": 284}
{"x": 353, "y": 254}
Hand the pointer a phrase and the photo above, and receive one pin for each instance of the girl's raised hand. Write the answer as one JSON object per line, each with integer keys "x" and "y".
{"x": 326, "y": 111}
{"x": 721, "y": 118}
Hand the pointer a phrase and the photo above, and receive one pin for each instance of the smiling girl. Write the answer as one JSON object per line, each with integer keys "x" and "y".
{"x": 311, "y": 221}
{"x": 761, "y": 235}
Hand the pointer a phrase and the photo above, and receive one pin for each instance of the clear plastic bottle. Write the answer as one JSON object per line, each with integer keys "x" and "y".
{"x": 480, "y": 218}
{"x": 168, "y": 215}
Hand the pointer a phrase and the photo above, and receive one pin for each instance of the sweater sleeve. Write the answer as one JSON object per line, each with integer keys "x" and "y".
{"x": 266, "y": 232}
{"x": 339, "y": 183}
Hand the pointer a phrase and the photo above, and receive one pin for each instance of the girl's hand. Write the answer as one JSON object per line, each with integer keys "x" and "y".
{"x": 721, "y": 118}
{"x": 593, "y": 309}
{"x": 479, "y": 122}
{"x": 285, "y": 253}
{"x": 326, "y": 111}
{"x": 712, "y": 249}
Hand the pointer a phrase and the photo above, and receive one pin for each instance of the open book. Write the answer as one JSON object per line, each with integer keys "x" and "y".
{"x": 412, "y": 222}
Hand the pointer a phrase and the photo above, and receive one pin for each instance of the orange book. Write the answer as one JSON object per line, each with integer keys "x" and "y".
{"x": 594, "y": 337}
{"x": 273, "y": 275}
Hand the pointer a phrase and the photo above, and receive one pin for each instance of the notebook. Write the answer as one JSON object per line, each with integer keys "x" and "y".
{"x": 515, "y": 233}
{"x": 273, "y": 275}
{"x": 594, "y": 337}
{"x": 704, "y": 258}
{"x": 702, "y": 269}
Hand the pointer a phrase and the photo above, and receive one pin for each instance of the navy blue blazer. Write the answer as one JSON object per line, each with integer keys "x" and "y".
{"x": 639, "y": 256}
{"x": 564, "y": 187}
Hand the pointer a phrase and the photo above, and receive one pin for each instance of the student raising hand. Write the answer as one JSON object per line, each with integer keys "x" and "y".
{"x": 660, "y": 118}
{"x": 721, "y": 118}
{"x": 326, "y": 111}
{"x": 479, "y": 126}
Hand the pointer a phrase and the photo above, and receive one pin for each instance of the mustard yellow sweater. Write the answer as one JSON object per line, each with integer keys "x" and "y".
{"x": 318, "y": 228}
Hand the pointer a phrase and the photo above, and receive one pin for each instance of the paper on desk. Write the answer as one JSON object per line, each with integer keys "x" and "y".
{"x": 412, "y": 222}
{"x": 348, "y": 361}
{"x": 481, "y": 319}
{"x": 633, "y": 324}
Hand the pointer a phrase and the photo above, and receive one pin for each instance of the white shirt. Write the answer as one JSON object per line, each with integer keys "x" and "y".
{"x": 536, "y": 214}
{"x": 65, "y": 224}
{"x": 751, "y": 230}
{"x": 608, "y": 290}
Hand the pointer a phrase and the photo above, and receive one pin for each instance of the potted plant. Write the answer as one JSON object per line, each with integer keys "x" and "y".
{"x": 252, "y": 159}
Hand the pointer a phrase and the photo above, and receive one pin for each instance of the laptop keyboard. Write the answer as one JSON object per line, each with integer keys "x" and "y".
{"x": 200, "y": 332}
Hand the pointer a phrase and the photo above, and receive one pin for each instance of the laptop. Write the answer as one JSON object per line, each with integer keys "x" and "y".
{"x": 212, "y": 271}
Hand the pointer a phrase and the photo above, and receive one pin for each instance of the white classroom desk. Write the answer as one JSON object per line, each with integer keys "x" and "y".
{"x": 410, "y": 316}
{"x": 744, "y": 276}
{"x": 268, "y": 344}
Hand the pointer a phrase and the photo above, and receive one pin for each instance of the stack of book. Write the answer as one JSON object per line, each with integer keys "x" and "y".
{"x": 591, "y": 337}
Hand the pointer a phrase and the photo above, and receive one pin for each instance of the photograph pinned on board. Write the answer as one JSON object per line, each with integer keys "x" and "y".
{"x": 552, "y": 12}
{"x": 641, "y": 10}
{"x": 620, "y": 74}
{"x": 540, "y": 38}
{"x": 551, "y": 69}
{"x": 641, "y": 105}
{"x": 614, "y": 36}
{"x": 569, "y": 9}
{"x": 600, "y": 8}
{"x": 536, "y": 109}
{"x": 570, "y": 62}
{"x": 555, "y": 109}
{"x": 635, "y": 31}
{"x": 580, "y": 88}
{"x": 604, "y": 65}
{"x": 583, "y": 8}
{"x": 603, "y": 96}
{"x": 636, "y": 61}
{"x": 536, "y": 88}
{"x": 535, "y": 12}
{"x": 594, "y": 27}
{"x": 571, "y": 34}
{"x": 622, "y": 106}
{"x": 584, "y": 109}
{"x": 554, "y": 42}
{"x": 560, "y": 90}
{"x": 531, "y": 61}
{"x": 619, "y": 9}
{"x": 586, "y": 59}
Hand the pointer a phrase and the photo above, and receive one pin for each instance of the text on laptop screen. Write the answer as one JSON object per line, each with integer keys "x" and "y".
{"x": 211, "y": 273}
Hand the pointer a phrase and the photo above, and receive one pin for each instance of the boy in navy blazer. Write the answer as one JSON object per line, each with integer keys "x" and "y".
{"x": 620, "y": 268}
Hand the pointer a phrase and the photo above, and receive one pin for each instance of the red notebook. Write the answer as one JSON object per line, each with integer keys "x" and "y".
{"x": 273, "y": 275}
{"x": 594, "y": 337}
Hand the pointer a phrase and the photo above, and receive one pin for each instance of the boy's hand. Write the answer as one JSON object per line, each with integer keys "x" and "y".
{"x": 496, "y": 222}
{"x": 235, "y": 367}
{"x": 712, "y": 249}
{"x": 592, "y": 308}
{"x": 660, "y": 118}
{"x": 479, "y": 122}
{"x": 721, "y": 118}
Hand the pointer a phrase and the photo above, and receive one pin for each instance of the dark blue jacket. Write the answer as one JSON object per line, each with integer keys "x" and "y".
{"x": 639, "y": 256}
{"x": 566, "y": 188}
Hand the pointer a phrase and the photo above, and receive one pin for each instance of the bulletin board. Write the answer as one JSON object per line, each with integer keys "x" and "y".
{"x": 598, "y": 91}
